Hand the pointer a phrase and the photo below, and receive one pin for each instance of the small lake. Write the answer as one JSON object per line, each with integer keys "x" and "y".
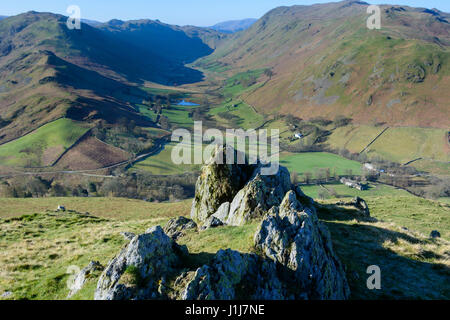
{"x": 187, "y": 103}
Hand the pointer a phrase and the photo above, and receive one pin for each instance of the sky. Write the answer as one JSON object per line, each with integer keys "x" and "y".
{"x": 180, "y": 12}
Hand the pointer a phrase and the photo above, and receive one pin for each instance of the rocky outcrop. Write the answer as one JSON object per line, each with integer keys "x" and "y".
{"x": 218, "y": 183}
{"x": 139, "y": 269}
{"x": 293, "y": 256}
{"x": 293, "y": 237}
{"x": 235, "y": 193}
{"x": 83, "y": 275}
{"x": 176, "y": 227}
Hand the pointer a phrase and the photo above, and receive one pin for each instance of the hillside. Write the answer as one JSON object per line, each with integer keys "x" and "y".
{"x": 48, "y": 71}
{"x": 326, "y": 62}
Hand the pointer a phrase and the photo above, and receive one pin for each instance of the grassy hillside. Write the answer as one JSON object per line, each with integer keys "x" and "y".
{"x": 38, "y": 248}
{"x": 43, "y": 146}
{"x": 397, "y": 144}
{"x": 327, "y": 63}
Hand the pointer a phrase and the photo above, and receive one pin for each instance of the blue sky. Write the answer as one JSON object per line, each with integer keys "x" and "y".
{"x": 181, "y": 12}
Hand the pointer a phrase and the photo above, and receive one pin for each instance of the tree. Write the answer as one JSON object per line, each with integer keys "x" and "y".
{"x": 307, "y": 177}
{"x": 294, "y": 177}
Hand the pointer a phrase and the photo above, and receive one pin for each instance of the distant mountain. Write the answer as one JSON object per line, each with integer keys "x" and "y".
{"x": 180, "y": 44}
{"x": 234, "y": 25}
{"x": 3, "y": 17}
{"x": 92, "y": 23}
{"x": 48, "y": 71}
{"x": 326, "y": 63}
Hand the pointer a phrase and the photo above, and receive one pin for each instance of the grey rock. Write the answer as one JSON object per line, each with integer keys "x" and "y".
{"x": 6, "y": 294}
{"x": 260, "y": 194}
{"x": 233, "y": 275}
{"x": 218, "y": 183}
{"x": 135, "y": 272}
{"x": 294, "y": 238}
{"x": 212, "y": 222}
{"x": 83, "y": 275}
{"x": 435, "y": 234}
{"x": 128, "y": 235}
{"x": 236, "y": 194}
{"x": 175, "y": 227}
{"x": 222, "y": 212}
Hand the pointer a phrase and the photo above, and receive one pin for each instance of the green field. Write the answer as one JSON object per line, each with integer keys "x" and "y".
{"x": 245, "y": 116}
{"x": 400, "y": 144}
{"x": 49, "y": 141}
{"x": 312, "y": 161}
{"x": 162, "y": 164}
{"x": 342, "y": 191}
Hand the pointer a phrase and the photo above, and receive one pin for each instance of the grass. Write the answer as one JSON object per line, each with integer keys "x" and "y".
{"x": 342, "y": 191}
{"x": 31, "y": 149}
{"x": 38, "y": 248}
{"x": 312, "y": 161}
{"x": 244, "y": 115}
{"x": 162, "y": 164}
{"x": 400, "y": 144}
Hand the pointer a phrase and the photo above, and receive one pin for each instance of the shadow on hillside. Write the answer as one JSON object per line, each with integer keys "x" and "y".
{"x": 360, "y": 246}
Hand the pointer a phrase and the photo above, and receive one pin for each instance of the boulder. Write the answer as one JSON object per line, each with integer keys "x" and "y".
{"x": 260, "y": 194}
{"x": 218, "y": 183}
{"x": 293, "y": 237}
{"x": 435, "y": 234}
{"x": 139, "y": 269}
{"x": 231, "y": 276}
{"x": 212, "y": 222}
{"x": 84, "y": 274}
{"x": 236, "y": 193}
{"x": 175, "y": 227}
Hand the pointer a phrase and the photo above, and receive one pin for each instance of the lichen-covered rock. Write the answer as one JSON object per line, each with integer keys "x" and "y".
{"x": 218, "y": 183}
{"x": 261, "y": 193}
{"x": 83, "y": 275}
{"x": 137, "y": 271}
{"x": 293, "y": 237}
{"x": 175, "y": 227}
{"x": 236, "y": 193}
{"x": 233, "y": 275}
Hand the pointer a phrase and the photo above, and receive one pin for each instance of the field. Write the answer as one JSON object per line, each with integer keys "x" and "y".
{"x": 242, "y": 115}
{"x": 42, "y": 146}
{"x": 38, "y": 247}
{"x": 162, "y": 164}
{"x": 312, "y": 161}
{"x": 401, "y": 144}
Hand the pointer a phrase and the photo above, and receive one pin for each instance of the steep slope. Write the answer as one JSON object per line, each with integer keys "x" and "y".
{"x": 326, "y": 62}
{"x": 178, "y": 44}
